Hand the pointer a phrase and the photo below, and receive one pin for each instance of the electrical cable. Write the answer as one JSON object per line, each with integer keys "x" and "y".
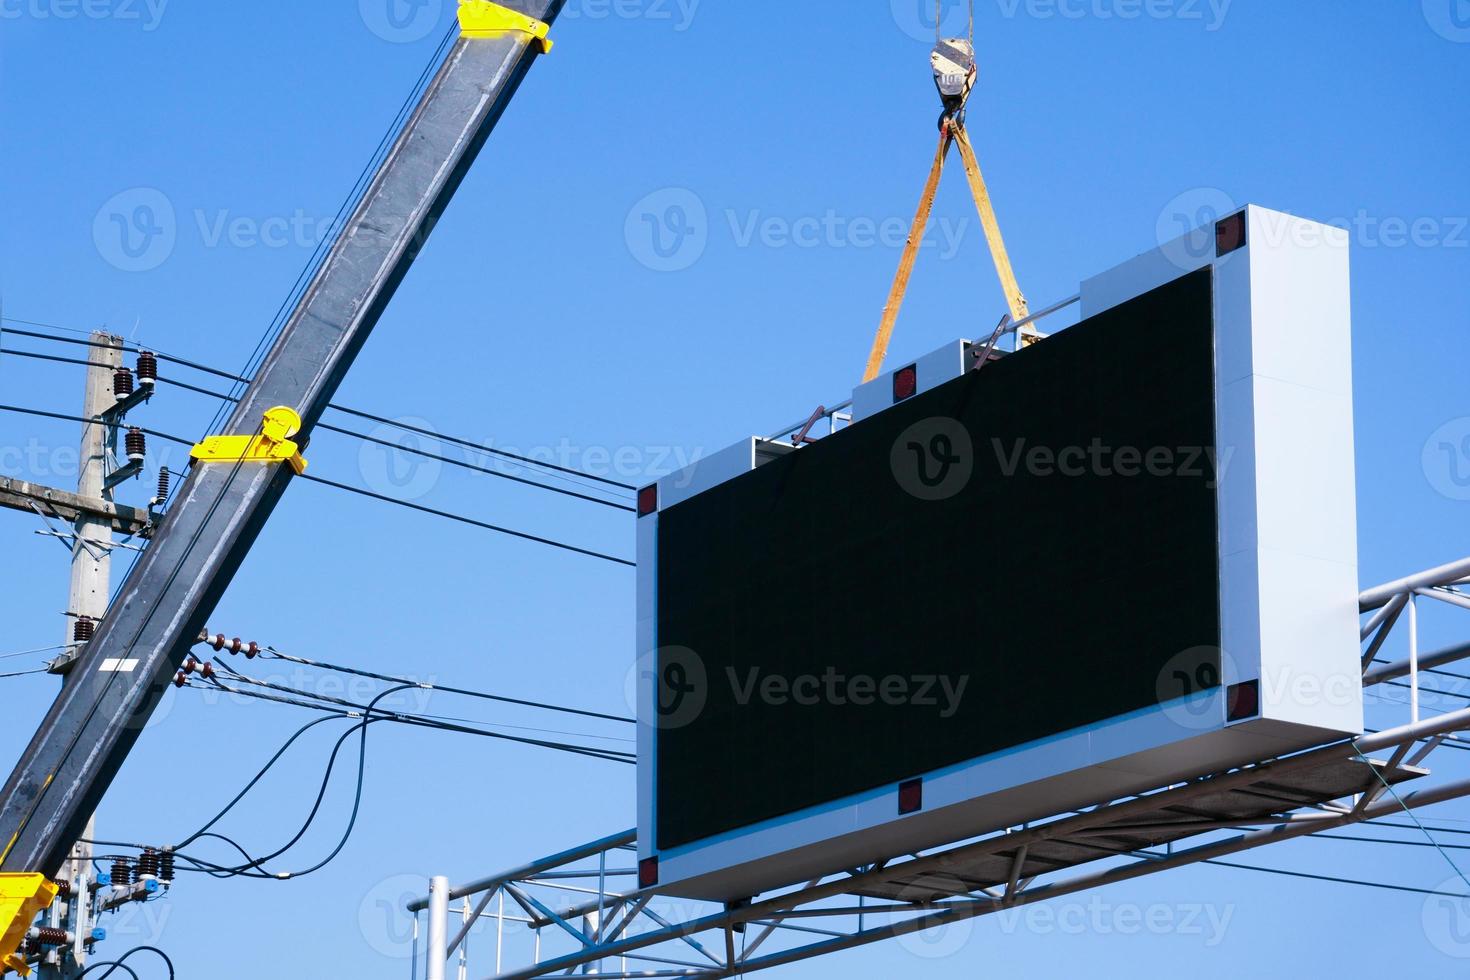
{"x": 529, "y": 461}
{"x": 275, "y": 654}
{"x": 26, "y": 653}
{"x": 1331, "y": 878}
{"x": 115, "y": 966}
{"x": 118, "y": 963}
{"x": 473, "y": 522}
{"x": 410, "y": 718}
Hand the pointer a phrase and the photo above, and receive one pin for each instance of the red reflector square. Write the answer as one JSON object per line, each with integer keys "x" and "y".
{"x": 1229, "y": 234}
{"x": 648, "y": 872}
{"x": 1243, "y": 701}
{"x": 911, "y": 796}
{"x": 647, "y": 500}
{"x": 905, "y": 382}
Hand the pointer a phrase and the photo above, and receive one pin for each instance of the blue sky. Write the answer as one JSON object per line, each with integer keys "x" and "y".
{"x": 681, "y": 234}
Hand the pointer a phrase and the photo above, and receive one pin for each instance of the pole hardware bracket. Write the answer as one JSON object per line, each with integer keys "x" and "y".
{"x": 22, "y": 897}
{"x": 272, "y": 445}
{"x": 482, "y": 18}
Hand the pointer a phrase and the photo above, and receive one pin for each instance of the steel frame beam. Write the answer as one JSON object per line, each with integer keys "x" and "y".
{"x": 220, "y": 508}
{"x": 646, "y": 953}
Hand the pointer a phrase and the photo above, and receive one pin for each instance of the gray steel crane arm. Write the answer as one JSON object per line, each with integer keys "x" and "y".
{"x": 161, "y": 608}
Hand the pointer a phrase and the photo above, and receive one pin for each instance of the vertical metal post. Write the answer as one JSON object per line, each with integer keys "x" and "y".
{"x": 464, "y": 946}
{"x": 592, "y": 925}
{"x": 500, "y": 931}
{"x": 91, "y": 576}
{"x": 1414, "y": 657}
{"x": 438, "y": 944}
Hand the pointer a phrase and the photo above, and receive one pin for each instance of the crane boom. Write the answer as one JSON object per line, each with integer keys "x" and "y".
{"x": 161, "y": 608}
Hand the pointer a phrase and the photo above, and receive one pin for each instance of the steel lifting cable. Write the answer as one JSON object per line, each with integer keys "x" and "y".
{"x": 939, "y": 21}
{"x": 955, "y": 92}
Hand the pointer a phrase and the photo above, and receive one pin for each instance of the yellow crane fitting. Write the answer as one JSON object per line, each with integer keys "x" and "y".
{"x": 22, "y": 898}
{"x": 272, "y": 445}
{"x": 481, "y": 18}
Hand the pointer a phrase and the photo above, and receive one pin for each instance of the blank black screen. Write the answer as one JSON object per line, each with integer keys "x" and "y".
{"x": 1060, "y": 596}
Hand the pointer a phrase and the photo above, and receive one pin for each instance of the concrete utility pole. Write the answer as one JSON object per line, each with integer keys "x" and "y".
{"x": 91, "y": 568}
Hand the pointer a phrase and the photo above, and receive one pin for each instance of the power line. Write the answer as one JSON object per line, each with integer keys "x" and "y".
{"x": 236, "y": 379}
{"x": 119, "y": 964}
{"x": 273, "y": 653}
{"x": 460, "y": 518}
{"x": 472, "y": 522}
{"x": 1334, "y": 879}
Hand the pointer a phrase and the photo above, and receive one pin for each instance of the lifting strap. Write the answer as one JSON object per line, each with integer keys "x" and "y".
{"x": 952, "y": 132}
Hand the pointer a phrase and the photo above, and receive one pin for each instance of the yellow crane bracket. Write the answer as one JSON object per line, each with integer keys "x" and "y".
{"x": 272, "y": 445}
{"x": 481, "y": 18}
{"x": 22, "y": 898}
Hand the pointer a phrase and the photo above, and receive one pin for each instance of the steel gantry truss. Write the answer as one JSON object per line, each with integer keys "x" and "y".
{"x": 585, "y": 913}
